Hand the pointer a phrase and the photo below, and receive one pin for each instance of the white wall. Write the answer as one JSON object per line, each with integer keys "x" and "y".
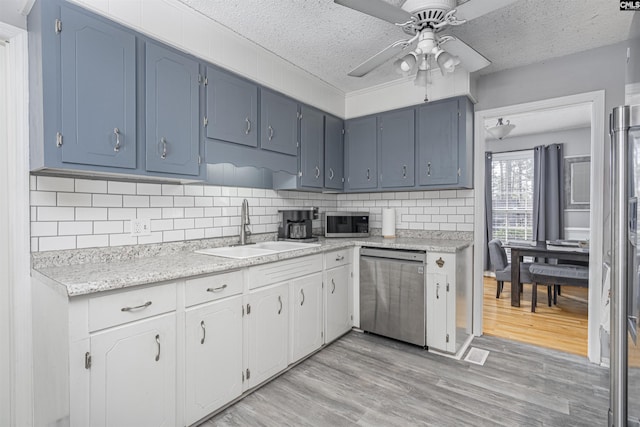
{"x": 178, "y": 25}
{"x": 5, "y": 279}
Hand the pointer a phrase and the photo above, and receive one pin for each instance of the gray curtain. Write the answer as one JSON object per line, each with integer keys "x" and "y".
{"x": 548, "y": 195}
{"x": 488, "y": 209}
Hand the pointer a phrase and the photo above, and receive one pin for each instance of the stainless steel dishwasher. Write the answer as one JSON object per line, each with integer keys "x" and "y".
{"x": 392, "y": 294}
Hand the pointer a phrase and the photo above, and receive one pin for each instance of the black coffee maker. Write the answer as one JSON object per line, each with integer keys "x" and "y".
{"x": 297, "y": 224}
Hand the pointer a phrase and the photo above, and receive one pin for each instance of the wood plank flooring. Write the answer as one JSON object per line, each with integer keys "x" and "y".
{"x": 561, "y": 327}
{"x": 367, "y": 380}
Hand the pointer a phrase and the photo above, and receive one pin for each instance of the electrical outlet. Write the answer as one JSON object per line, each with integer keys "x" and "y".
{"x": 140, "y": 227}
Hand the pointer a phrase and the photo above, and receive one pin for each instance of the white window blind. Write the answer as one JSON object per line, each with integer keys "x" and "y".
{"x": 512, "y": 195}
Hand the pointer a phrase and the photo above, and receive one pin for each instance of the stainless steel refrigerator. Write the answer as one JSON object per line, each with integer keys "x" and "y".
{"x": 624, "y": 122}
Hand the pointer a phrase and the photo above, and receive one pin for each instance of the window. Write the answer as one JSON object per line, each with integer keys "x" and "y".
{"x": 512, "y": 195}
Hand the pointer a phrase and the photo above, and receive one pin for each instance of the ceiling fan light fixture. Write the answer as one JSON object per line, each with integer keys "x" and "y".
{"x": 446, "y": 62}
{"x": 405, "y": 64}
{"x": 501, "y": 129}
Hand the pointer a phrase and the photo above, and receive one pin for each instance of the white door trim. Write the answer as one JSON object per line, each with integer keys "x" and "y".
{"x": 596, "y": 100}
{"x": 16, "y": 201}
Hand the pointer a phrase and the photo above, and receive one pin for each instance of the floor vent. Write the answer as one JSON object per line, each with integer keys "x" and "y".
{"x": 477, "y": 356}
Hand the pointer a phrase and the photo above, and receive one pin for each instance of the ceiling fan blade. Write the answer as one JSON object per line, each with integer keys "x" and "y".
{"x": 470, "y": 58}
{"x": 475, "y": 8}
{"x": 379, "y": 58}
{"x": 379, "y": 9}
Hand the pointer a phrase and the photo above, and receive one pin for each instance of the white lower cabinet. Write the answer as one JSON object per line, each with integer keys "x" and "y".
{"x": 307, "y": 314}
{"x": 213, "y": 356}
{"x": 133, "y": 374}
{"x": 338, "y": 309}
{"x": 268, "y": 332}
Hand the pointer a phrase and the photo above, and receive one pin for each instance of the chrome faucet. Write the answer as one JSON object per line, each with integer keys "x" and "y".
{"x": 244, "y": 222}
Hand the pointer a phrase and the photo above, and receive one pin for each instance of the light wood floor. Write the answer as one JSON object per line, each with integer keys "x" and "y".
{"x": 367, "y": 380}
{"x": 561, "y": 327}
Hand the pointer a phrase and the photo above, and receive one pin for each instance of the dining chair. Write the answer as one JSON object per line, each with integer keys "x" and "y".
{"x": 502, "y": 266}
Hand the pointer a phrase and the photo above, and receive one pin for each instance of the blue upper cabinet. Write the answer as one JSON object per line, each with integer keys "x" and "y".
{"x": 278, "y": 123}
{"x": 445, "y": 148}
{"x": 98, "y": 92}
{"x": 311, "y": 147}
{"x": 172, "y": 106}
{"x": 333, "y": 153}
{"x": 396, "y": 133}
{"x": 232, "y": 108}
{"x": 361, "y": 156}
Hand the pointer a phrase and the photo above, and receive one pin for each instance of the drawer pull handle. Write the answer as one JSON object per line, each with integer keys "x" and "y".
{"x": 204, "y": 332}
{"x": 302, "y": 293}
{"x": 429, "y": 169}
{"x": 137, "y": 307}
{"x": 437, "y": 291}
{"x": 218, "y": 289}
{"x": 248, "y": 130}
{"x": 368, "y": 174}
{"x": 339, "y": 257}
{"x": 404, "y": 171}
{"x": 116, "y": 131}
{"x": 317, "y": 172}
{"x": 280, "y": 301}
{"x": 334, "y": 286}
{"x": 270, "y": 133}
{"x": 163, "y": 141}
{"x": 158, "y": 342}
{"x": 331, "y": 174}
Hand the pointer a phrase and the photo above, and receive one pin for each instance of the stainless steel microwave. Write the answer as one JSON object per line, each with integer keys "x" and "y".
{"x": 346, "y": 224}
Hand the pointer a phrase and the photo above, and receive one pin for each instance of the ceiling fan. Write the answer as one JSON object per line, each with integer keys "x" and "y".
{"x": 423, "y": 20}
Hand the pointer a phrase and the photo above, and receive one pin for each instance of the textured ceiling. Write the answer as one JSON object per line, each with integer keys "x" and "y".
{"x": 329, "y": 40}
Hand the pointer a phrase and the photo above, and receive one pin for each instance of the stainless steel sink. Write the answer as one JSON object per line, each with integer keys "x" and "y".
{"x": 255, "y": 250}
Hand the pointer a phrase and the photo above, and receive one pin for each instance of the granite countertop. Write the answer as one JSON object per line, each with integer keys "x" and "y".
{"x": 90, "y": 277}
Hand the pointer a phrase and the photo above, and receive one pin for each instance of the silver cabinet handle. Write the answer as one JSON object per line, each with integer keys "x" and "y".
{"x": 339, "y": 257}
{"x": 280, "y": 301}
{"x": 404, "y": 171}
{"x": 270, "y": 133}
{"x": 218, "y": 289}
{"x": 334, "y": 286}
{"x": 429, "y": 169}
{"x": 437, "y": 291}
{"x": 137, "y": 307}
{"x": 248, "y": 126}
{"x": 331, "y": 173}
{"x": 163, "y": 141}
{"x": 116, "y": 131}
{"x": 204, "y": 332}
{"x": 317, "y": 172}
{"x": 158, "y": 342}
{"x": 302, "y": 294}
{"x": 368, "y": 175}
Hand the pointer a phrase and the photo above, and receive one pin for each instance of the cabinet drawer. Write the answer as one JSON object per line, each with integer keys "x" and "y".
{"x": 122, "y": 307}
{"x": 211, "y": 288}
{"x": 442, "y": 263}
{"x": 281, "y": 271}
{"x": 337, "y": 258}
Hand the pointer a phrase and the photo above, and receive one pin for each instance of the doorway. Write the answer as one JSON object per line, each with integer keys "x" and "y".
{"x": 594, "y": 102}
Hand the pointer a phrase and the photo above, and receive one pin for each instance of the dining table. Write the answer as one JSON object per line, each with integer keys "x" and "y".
{"x": 539, "y": 249}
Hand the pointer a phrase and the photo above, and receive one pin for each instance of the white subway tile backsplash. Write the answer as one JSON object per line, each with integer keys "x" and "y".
{"x": 51, "y": 213}
{"x": 117, "y": 187}
{"x": 43, "y": 198}
{"x": 33, "y": 183}
{"x": 52, "y": 183}
{"x": 98, "y": 212}
{"x": 90, "y": 186}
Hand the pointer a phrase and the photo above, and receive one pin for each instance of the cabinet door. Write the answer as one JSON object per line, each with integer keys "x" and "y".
{"x": 437, "y": 295}
{"x": 438, "y": 143}
{"x": 361, "y": 156}
{"x": 133, "y": 374}
{"x": 213, "y": 357}
{"x": 307, "y": 309}
{"x": 268, "y": 332}
{"x": 278, "y": 123}
{"x": 311, "y": 147}
{"x": 172, "y": 143}
{"x": 337, "y": 313}
{"x": 98, "y": 92}
{"x": 232, "y": 108}
{"x": 397, "y": 148}
{"x": 333, "y": 153}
